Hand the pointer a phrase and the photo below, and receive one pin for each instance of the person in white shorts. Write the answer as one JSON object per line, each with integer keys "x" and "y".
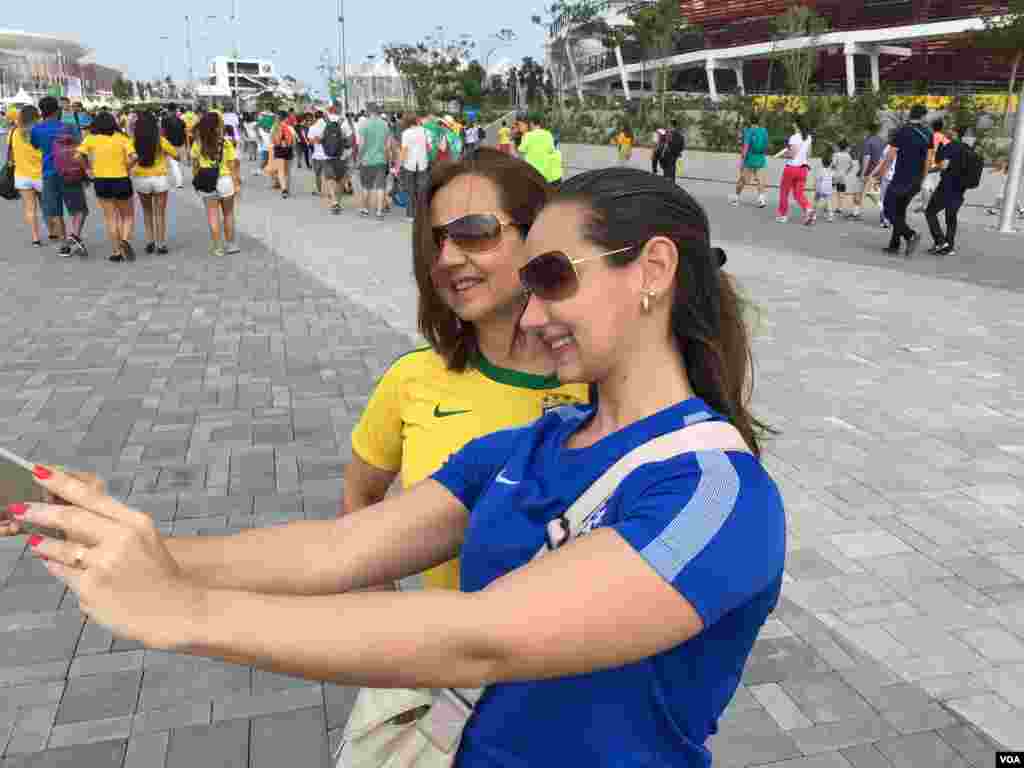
{"x": 151, "y": 180}
{"x": 28, "y": 168}
{"x": 209, "y": 147}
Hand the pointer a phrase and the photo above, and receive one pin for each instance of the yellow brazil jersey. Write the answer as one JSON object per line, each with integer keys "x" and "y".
{"x": 28, "y": 161}
{"x": 109, "y": 154}
{"x": 159, "y": 166}
{"x": 421, "y": 413}
{"x": 504, "y": 135}
{"x": 227, "y": 158}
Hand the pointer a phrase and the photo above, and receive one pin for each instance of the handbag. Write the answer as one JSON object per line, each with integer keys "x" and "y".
{"x": 205, "y": 179}
{"x": 8, "y": 191}
{"x": 422, "y": 728}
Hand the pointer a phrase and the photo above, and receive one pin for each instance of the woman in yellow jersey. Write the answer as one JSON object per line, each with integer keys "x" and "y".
{"x": 478, "y": 375}
{"x": 505, "y": 138}
{"x": 151, "y": 180}
{"x": 625, "y": 140}
{"x": 28, "y": 168}
{"x": 111, "y": 157}
{"x": 208, "y": 149}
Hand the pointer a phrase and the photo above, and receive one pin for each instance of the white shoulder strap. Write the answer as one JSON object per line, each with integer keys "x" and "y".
{"x": 696, "y": 437}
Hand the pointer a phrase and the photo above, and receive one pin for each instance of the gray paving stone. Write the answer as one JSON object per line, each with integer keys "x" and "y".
{"x": 825, "y": 760}
{"x": 969, "y": 743}
{"x": 242, "y": 705}
{"x": 920, "y": 749}
{"x": 95, "y": 638}
{"x": 147, "y": 750}
{"x": 742, "y": 748}
{"x": 828, "y": 737}
{"x": 175, "y": 682}
{"x": 99, "y": 696}
{"x": 865, "y": 756}
{"x": 827, "y": 698}
{"x": 31, "y": 598}
{"x": 90, "y": 731}
{"x": 37, "y": 646}
{"x": 339, "y": 700}
{"x": 106, "y": 663}
{"x": 106, "y": 754}
{"x": 290, "y": 738}
{"x": 198, "y": 712}
{"x": 225, "y": 745}
{"x": 32, "y": 730}
{"x": 35, "y": 673}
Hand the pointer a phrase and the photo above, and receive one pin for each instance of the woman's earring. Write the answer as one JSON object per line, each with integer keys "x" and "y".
{"x": 645, "y": 301}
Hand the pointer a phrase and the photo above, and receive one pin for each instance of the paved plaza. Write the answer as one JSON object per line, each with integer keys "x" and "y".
{"x": 219, "y": 394}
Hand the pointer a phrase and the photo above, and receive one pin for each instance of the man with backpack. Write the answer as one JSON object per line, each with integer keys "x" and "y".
{"x": 63, "y": 177}
{"x": 961, "y": 170}
{"x": 332, "y": 147}
{"x": 913, "y": 143}
{"x": 752, "y": 160}
{"x": 675, "y": 145}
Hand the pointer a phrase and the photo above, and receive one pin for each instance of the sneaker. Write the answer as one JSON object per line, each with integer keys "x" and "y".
{"x": 117, "y": 258}
{"x": 781, "y": 219}
{"x": 734, "y": 200}
{"x": 885, "y": 225}
{"x": 364, "y": 212}
{"x": 830, "y": 217}
{"x": 231, "y": 249}
{"x": 129, "y": 252}
{"x": 1020, "y": 213}
{"x": 336, "y": 210}
{"x": 284, "y": 194}
{"x": 37, "y": 243}
{"x": 810, "y": 218}
{"x": 380, "y": 215}
{"x": 936, "y": 248}
{"x": 992, "y": 211}
{"x": 946, "y": 250}
{"x": 150, "y": 248}
{"x": 855, "y": 216}
{"x": 216, "y": 249}
{"x": 65, "y": 250}
{"x": 889, "y": 251}
{"x": 912, "y": 244}
{"x": 762, "y": 203}
{"x": 162, "y": 249}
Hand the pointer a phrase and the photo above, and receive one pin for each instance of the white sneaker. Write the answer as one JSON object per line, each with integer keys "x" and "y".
{"x": 781, "y": 219}
{"x": 734, "y": 200}
{"x": 761, "y": 202}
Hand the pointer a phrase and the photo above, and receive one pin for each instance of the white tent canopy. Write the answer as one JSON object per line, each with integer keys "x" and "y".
{"x": 21, "y": 97}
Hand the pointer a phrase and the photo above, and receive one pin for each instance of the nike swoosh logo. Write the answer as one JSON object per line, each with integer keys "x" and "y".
{"x": 504, "y": 480}
{"x": 439, "y": 414}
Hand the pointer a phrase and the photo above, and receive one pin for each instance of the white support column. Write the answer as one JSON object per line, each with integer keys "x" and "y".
{"x": 622, "y": 72}
{"x": 709, "y": 66}
{"x": 875, "y": 81}
{"x": 851, "y": 76}
{"x": 737, "y": 67}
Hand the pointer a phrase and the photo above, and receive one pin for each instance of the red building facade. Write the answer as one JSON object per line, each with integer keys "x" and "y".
{"x": 940, "y": 65}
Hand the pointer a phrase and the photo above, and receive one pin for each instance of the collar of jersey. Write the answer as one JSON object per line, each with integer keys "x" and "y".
{"x": 514, "y": 378}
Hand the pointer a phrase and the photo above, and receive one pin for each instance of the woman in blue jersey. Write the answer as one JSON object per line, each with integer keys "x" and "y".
{"x": 620, "y": 648}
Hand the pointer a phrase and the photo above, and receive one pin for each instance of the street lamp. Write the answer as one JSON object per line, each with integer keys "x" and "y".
{"x": 164, "y": 75}
{"x": 370, "y": 57}
{"x": 501, "y": 38}
{"x": 342, "y": 55}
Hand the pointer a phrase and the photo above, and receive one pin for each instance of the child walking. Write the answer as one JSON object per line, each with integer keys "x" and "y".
{"x": 823, "y": 189}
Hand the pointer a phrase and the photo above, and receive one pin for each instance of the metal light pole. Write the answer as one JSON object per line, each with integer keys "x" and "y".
{"x": 373, "y": 77}
{"x": 238, "y": 50}
{"x": 163, "y": 54}
{"x": 342, "y": 54}
{"x": 1014, "y": 176}
{"x": 188, "y": 56}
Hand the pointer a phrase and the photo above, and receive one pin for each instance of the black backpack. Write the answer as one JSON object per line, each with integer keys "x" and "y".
{"x": 676, "y": 143}
{"x": 334, "y": 141}
{"x": 174, "y": 130}
{"x": 972, "y": 165}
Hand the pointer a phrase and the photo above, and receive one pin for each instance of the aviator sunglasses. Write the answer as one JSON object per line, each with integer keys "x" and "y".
{"x": 475, "y": 234}
{"x": 553, "y": 276}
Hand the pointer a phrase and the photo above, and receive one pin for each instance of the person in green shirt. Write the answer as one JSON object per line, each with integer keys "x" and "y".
{"x": 752, "y": 160}
{"x": 537, "y": 147}
{"x": 373, "y": 166}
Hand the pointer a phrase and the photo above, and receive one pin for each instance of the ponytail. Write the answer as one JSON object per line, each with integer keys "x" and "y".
{"x": 628, "y": 207}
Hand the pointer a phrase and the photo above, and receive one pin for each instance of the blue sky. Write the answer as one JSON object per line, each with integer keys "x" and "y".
{"x": 127, "y": 34}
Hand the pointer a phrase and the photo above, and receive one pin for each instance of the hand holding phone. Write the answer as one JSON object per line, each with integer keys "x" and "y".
{"x": 17, "y": 484}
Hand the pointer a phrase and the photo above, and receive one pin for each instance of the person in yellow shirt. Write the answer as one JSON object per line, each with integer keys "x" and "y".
{"x": 151, "y": 179}
{"x": 111, "y": 156}
{"x": 480, "y": 374}
{"x": 505, "y": 138}
{"x": 210, "y": 149}
{"x": 191, "y": 120}
{"x": 625, "y": 140}
{"x": 28, "y": 168}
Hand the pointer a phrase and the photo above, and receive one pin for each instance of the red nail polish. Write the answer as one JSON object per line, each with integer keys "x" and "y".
{"x": 18, "y": 510}
{"x": 35, "y": 540}
{"x": 42, "y": 472}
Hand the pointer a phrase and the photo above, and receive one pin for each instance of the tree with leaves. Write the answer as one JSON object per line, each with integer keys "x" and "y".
{"x": 1004, "y": 33}
{"x": 122, "y": 89}
{"x": 577, "y": 18}
{"x": 141, "y": 89}
{"x": 657, "y": 28}
{"x": 799, "y": 20}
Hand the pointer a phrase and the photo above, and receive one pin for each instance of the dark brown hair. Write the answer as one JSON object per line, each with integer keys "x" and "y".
{"x": 210, "y": 135}
{"x": 522, "y": 193}
{"x": 627, "y": 207}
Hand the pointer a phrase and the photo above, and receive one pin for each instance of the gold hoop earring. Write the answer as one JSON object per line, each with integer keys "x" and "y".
{"x": 645, "y": 301}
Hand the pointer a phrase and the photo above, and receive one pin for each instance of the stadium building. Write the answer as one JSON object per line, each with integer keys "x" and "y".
{"x": 907, "y": 44}
{"x": 35, "y": 64}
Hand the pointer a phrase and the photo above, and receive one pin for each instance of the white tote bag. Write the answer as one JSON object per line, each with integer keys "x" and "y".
{"x": 429, "y": 734}
{"x": 174, "y": 173}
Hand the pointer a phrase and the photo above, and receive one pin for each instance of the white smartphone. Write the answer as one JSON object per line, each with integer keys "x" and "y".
{"x": 17, "y": 484}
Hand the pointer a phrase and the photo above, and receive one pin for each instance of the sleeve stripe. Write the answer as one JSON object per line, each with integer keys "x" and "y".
{"x": 697, "y": 523}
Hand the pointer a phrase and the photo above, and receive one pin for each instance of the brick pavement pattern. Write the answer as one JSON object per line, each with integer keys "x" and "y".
{"x": 219, "y": 395}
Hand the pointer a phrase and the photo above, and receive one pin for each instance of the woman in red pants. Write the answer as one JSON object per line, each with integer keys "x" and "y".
{"x": 794, "y": 177}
